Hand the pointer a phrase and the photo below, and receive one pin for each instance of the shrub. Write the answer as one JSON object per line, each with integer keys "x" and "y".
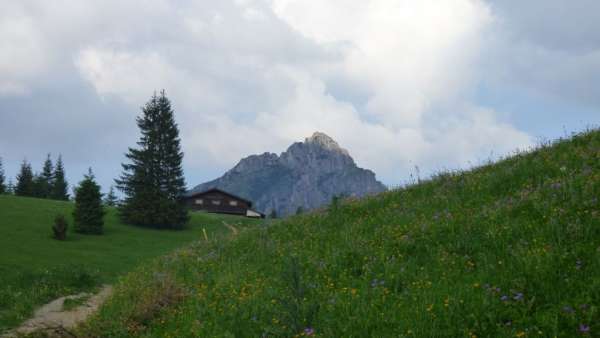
{"x": 60, "y": 227}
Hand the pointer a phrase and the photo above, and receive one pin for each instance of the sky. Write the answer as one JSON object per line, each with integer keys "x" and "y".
{"x": 427, "y": 84}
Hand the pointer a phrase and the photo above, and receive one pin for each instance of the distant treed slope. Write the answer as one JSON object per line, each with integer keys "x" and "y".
{"x": 506, "y": 250}
{"x": 307, "y": 175}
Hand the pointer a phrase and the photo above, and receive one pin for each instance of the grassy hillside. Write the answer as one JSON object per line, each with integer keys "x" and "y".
{"x": 34, "y": 268}
{"x": 510, "y": 250}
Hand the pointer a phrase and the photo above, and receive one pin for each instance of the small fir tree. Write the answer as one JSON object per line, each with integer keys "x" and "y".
{"x": 60, "y": 186}
{"x": 60, "y": 228}
{"x": 25, "y": 185}
{"x": 2, "y": 178}
{"x": 88, "y": 215}
{"x": 153, "y": 182}
{"x": 10, "y": 188}
{"x": 111, "y": 199}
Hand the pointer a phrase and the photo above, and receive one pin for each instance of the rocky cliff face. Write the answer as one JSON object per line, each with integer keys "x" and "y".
{"x": 307, "y": 175}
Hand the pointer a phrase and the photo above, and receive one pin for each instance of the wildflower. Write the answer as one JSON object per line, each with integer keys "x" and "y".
{"x": 504, "y": 298}
{"x": 578, "y": 265}
{"x": 584, "y": 329}
{"x": 309, "y": 331}
{"x": 518, "y": 296}
{"x": 520, "y": 334}
{"x": 568, "y": 309}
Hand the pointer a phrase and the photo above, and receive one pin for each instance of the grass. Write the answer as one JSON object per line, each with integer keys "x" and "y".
{"x": 510, "y": 249}
{"x": 35, "y": 268}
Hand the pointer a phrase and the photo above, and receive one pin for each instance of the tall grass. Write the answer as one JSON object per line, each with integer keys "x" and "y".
{"x": 510, "y": 249}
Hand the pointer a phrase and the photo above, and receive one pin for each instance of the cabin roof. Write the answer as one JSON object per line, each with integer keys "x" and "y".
{"x": 196, "y": 194}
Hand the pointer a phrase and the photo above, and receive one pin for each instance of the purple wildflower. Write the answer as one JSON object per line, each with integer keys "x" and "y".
{"x": 504, "y": 298}
{"x": 518, "y": 296}
{"x": 309, "y": 331}
{"x": 584, "y": 328}
{"x": 376, "y": 282}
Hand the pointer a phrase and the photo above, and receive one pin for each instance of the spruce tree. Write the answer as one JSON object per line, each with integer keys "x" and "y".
{"x": 10, "y": 189}
{"x": 88, "y": 215}
{"x": 2, "y": 178}
{"x": 38, "y": 186}
{"x": 111, "y": 199}
{"x": 153, "y": 181}
{"x": 46, "y": 178}
{"x": 25, "y": 185}
{"x": 60, "y": 186}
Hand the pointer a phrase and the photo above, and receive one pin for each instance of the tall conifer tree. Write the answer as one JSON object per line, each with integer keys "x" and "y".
{"x": 25, "y": 185}
{"x": 60, "y": 186}
{"x": 2, "y": 178}
{"x": 47, "y": 178}
{"x": 153, "y": 181}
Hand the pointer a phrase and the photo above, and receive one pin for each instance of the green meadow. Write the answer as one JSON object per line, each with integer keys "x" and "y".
{"x": 35, "y": 268}
{"x": 508, "y": 249}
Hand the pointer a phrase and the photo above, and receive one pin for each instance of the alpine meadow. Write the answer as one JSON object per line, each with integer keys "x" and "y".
{"x": 506, "y": 249}
{"x": 299, "y": 168}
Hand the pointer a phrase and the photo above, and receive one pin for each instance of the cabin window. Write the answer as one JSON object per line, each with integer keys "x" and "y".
{"x": 199, "y": 201}
{"x": 216, "y": 202}
{"x": 233, "y": 203}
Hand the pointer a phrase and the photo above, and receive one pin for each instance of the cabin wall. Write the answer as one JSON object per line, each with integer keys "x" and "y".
{"x": 217, "y": 203}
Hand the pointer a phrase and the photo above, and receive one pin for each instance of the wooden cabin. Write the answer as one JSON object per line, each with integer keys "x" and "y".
{"x": 221, "y": 202}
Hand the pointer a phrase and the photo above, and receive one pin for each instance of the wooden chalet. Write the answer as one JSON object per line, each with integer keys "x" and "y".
{"x": 221, "y": 202}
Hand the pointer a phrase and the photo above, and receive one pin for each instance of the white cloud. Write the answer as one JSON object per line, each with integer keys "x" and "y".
{"x": 21, "y": 46}
{"x": 390, "y": 80}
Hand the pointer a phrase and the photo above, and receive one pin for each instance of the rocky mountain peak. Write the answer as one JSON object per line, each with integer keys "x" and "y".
{"x": 323, "y": 140}
{"x": 308, "y": 174}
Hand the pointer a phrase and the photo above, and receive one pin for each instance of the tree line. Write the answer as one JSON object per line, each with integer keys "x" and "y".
{"x": 50, "y": 183}
{"x": 152, "y": 182}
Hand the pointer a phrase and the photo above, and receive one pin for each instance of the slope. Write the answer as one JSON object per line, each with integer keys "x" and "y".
{"x": 34, "y": 268}
{"x": 507, "y": 249}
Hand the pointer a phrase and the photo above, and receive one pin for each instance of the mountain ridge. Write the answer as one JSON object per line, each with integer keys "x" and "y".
{"x": 307, "y": 175}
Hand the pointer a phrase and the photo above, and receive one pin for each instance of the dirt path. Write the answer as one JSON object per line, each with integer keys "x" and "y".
{"x": 55, "y": 321}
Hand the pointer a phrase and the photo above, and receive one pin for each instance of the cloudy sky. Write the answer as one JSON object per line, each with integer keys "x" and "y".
{"x": 399, "y": 83}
